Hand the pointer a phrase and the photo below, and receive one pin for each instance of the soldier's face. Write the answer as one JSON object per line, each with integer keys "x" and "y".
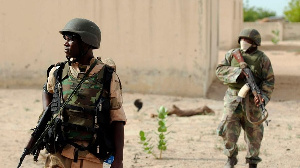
{"x": 71, "y": 46}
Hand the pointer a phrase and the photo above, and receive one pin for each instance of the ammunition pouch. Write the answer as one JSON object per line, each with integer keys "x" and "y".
{"x": 54, "y": 139}
{"x": 103, "y": 147}
{"x": 101, "y": 143}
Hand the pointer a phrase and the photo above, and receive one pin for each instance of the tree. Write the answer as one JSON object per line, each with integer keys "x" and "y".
{"x": 252, "y": 14}
{"x": 292, "y": 11}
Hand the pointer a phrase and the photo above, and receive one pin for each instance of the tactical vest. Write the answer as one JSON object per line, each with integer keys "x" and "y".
{"x": 254, "y": 63}
{"x": 81, "y": 110}
{"x": 86, "y": 117}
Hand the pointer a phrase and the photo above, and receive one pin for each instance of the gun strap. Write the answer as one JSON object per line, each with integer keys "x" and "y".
{"x": 239, "y": 57}
{"x": 107, "y": 76}
{"x": 35, "y": 146}
{"x": 265, "y": 116}
{"x": 79, "y": 84}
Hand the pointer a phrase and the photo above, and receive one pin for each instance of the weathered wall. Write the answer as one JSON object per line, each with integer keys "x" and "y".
{"x": 265, "y": 29}
{"x": 287, "y": 31}
{"x": 164, "y": 47}
{"x": 291, "y": 31}
{"x": 231, "y": 22}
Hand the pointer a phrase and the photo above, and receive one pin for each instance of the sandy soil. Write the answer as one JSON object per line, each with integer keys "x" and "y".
{"x": 192, "y": 141}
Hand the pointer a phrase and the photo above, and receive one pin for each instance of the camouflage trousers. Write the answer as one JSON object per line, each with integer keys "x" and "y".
{"x": 230, "y": 128}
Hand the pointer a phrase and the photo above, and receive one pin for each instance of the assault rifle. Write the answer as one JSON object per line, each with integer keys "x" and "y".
{"x": 251, "y": 85}
{"x": 36, "y": 144}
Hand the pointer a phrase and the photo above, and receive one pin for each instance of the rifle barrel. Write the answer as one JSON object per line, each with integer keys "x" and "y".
{"x": 22, "y": 157}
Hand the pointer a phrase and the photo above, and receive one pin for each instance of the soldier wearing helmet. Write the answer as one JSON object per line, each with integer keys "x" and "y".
{"x": 92, "y": 118}
{"x": 234, "y": 114}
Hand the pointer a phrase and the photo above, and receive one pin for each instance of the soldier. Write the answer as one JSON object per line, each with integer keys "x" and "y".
{"x": 81, "y": 145}
{"x": 234, "y": 116}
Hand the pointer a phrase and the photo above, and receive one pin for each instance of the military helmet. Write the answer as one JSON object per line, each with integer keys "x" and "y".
{"x": 88, "y": 31}
{"x": 251, "y": 34}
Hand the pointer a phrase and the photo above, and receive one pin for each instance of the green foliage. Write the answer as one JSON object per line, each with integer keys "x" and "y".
{"x": 146, "y": 146}
{"x": 292, "y": 11}
{"x": 252, "y": 14}
{"x": 275, "y": 38}
{"x": 161, "y": 132}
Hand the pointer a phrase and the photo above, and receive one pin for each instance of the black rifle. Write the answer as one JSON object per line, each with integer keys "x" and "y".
{"x": 35, "y": 144}
{"x": 252, "y": 84}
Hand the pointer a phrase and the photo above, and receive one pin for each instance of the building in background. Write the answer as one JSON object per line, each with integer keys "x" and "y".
{"x": 231, "y": 22}
{"x": 160, "y": 47}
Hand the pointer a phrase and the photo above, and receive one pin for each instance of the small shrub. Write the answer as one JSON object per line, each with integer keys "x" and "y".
{"x": 275, "y": 38}
{"x": 161, "y": 132}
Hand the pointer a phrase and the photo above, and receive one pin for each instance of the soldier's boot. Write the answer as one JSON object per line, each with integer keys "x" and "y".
{"x": 231, "y": 162}
{"x": 252, "y": 165}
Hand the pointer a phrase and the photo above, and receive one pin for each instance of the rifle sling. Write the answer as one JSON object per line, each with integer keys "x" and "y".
{"x": 239, "y": 57}
{"x": 79, "y": 84}
{"x": 248, "y": 113}
{"x": 35, "y": 146}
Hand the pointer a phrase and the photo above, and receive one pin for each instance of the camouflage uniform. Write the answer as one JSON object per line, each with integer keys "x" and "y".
{"x": 234, "y": 116}
{"x": 85, "y": 158}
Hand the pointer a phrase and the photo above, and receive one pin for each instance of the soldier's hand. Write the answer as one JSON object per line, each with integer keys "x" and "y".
{"x": 258, "y": 99}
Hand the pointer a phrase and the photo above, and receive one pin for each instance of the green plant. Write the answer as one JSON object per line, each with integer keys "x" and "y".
{"x": 251, "y": 13}
{"x": 292, "y": 11}
{"x": 161, "y": 132}
{"x": 275, "y": 38}
{"x": 146, "y": 146}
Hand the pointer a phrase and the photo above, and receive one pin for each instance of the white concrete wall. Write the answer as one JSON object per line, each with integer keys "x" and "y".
{"x": 164, "y": 47}
{"x": 231, "y": 22}
{"x": 213, "y": 27}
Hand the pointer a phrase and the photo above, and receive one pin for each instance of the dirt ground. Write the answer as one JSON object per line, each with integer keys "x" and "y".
{"x": 192, "y": 141}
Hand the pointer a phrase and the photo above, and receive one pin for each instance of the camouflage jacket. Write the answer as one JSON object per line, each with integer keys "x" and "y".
{"x": 228, "y": 73}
